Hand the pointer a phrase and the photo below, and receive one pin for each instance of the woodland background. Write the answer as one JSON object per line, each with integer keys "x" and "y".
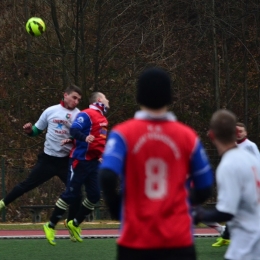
{"x": 210, "y": 47}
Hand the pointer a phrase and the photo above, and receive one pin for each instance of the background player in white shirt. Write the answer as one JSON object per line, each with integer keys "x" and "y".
{"x": 238, "y": 185}
{"x": 244, "y": 143}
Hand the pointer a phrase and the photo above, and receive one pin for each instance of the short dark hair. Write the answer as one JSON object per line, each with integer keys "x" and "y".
{"x": 73, "y": 88}
{"x": 154, "y": 88}
{"x": 223, "y": 124}
{"x": 241, "y": 125}
{"x": 93, "y": 97}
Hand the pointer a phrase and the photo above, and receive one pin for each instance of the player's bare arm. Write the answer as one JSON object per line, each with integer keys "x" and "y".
{"x": 66, "y": 141}
{"x": 90, "y": 138}
{"x": 27, "y": 128}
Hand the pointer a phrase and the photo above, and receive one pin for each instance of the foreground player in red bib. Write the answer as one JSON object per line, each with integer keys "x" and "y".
{"x": 154, "y": 155}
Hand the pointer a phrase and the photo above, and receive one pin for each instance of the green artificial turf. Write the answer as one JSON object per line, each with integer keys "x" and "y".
{"x": 91, "y": 249}
{"x": 206, "y": 252}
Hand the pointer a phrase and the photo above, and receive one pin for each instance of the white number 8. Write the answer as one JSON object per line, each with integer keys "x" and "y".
{"x": 156, "y": 178}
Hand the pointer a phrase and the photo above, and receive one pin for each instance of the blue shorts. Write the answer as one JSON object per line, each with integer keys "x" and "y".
{"x": 82, "y": 173}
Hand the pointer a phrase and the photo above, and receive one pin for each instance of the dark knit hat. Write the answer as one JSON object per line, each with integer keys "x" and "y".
{"x": 154, "y": 88}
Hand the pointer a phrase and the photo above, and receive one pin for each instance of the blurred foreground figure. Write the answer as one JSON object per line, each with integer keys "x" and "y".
{"x": 238, "y": 187}
{"x": 155, "y": 157}
{"x": 244, "y": 143}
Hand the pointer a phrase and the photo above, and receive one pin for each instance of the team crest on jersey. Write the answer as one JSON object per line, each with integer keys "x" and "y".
{"x": 80, "y": 119}
{"x": 68, "y": 116}
{"x": 103, "y": 132}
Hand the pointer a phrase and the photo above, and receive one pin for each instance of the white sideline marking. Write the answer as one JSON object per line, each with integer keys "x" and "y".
{"x": 85, "y": 236}
{"x": 57, "y": 236}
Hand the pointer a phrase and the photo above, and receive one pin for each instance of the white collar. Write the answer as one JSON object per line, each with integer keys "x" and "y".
{"x": 96, "y": 108}
{"x": 146, "y": 115}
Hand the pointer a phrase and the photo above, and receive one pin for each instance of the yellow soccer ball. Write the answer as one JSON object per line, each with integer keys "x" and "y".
{"x": 35, "y": 26}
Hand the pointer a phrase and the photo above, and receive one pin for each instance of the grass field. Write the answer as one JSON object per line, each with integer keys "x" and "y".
{"x": 91, "y": 249}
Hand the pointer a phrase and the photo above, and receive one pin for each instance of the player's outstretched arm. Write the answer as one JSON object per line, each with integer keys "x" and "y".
{"x": 31, "y": 130}
{"x": 202, "y": 215}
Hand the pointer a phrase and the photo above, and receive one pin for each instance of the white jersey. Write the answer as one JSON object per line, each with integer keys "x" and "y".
{"x": 58, "y": 120}
{"x": 250, "y": 146}
{"x": 238, "y": 182}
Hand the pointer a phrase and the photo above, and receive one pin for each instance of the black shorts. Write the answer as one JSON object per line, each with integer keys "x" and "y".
{"x": 45, "y": 169}
{"x": 184, "y": 253}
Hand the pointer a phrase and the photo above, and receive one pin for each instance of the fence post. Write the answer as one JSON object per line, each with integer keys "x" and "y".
{"x": 3, "y": 186}
{"x": 97, "y": 211}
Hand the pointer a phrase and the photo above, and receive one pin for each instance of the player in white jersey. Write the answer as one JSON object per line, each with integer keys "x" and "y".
{"x": 238, "y": 186}
{"x": 54, "y": 160}
{"x": 244, "y": 143}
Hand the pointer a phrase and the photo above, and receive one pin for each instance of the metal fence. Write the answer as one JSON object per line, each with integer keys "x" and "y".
{"x": 47, "y": 193}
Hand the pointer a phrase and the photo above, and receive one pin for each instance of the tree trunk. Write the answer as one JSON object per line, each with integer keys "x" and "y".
{"x": 65, "y": 77}
{"x": 215, "y": 58}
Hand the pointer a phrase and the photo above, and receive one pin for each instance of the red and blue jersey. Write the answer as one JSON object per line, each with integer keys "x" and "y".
{"x": 155, "y": 158}
{"x": 90, "y": 121}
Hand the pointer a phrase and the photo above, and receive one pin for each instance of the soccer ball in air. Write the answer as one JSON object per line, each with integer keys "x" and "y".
{"x": 35, "y": 26}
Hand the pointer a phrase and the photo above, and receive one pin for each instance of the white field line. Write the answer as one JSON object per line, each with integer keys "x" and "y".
{"x": 85, "y": 236}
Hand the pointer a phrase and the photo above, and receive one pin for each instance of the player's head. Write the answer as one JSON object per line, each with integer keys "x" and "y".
{"x": 154, "y": 89}
{"x": 99, "y": 97}
{"x": 223, "y": 127}
{"x": 73, "y": 88}
{"x": 241, "y": 131}
{"x": 72, "y": 96}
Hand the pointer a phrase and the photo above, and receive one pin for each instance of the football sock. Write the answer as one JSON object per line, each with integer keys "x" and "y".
{"x": 75, "y": 222}
{"x": 216, "y": 226}
{"x": 82, "y": 214}
{"x": 226, "y": 234}
{"x": 56, "y": 215}
{"x": 74, "y": 209}
{"x": 51, "y": 225}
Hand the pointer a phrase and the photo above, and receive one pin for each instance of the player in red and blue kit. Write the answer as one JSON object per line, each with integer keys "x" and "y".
{"x": 154, "y": 156}
{"x": 89, "y": 131}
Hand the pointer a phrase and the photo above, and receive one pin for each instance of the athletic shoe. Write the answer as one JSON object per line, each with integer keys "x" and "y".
{"x": 72, "y": 238}
{"x": 221, "y": 242}
{"x": 2, "y": 205}
{"x": 50, "y": 234}
{"x": 76, "y": 231}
